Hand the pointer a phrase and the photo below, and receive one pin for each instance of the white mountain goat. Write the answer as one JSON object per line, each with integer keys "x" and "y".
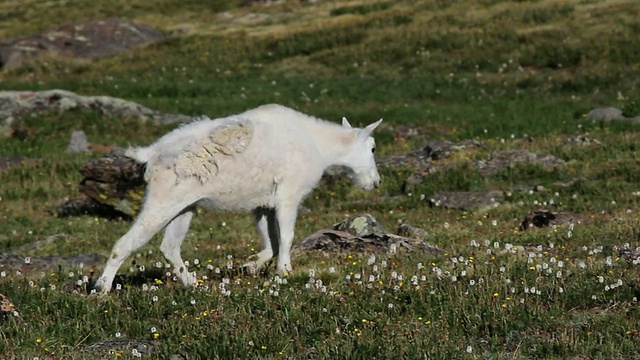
{"x": 265, "y": 160}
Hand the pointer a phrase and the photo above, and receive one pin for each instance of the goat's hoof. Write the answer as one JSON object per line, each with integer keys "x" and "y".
{"x": 251, "y": 266}
{"x": 100, "y": 288}
{"x": 285, "y": 270}
{"x": 99, "y": 292}
{"x": 190, "y": 280}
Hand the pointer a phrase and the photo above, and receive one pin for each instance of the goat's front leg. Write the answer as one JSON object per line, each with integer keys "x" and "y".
{"x": 286, "y": 217}
{"x": 267, "y": 227}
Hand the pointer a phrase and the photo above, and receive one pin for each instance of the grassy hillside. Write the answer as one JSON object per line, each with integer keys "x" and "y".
{"x": 413, "y": 60}
{"x": 511, "y": 74}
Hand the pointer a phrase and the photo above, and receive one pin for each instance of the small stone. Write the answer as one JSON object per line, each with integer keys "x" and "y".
{"x": 78, "y": 142}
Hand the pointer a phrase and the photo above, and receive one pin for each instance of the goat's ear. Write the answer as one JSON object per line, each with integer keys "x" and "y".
{"x": 369, "y": 129}
{"x": 345, "y": 123}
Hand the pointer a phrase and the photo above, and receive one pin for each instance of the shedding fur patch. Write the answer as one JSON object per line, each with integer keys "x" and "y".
{"x": 201, "y": 159}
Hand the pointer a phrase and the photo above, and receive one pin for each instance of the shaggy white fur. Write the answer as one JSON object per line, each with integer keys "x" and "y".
{"x": 265, "y": 160}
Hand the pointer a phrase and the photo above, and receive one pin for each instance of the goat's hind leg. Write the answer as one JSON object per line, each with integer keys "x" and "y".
{"x": 267, "y": 227}
{"x": 140, "y": 233}
{"x": 174, "y": 235}
{"x": 158, "y": 210}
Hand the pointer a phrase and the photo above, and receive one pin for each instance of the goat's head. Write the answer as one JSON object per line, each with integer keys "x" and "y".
{"x": 360, "y": 158}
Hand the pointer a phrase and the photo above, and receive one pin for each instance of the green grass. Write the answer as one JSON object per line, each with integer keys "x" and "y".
{"x": 512, "y": 74}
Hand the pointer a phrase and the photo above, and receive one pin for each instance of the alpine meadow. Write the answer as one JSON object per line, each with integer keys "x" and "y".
{"x": 507, "y": 220}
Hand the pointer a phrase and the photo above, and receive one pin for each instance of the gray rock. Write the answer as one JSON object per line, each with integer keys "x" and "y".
{"x": 364, "y": 225}
{"x": 609, "y": 114}
{"x": 467, "y": 200}
{"x": 14, "y": 104}
{"x": 78, "y": 142}
{"x": 373, "y": 238}
{"x": 407, "y": 230}
{"x": 606, "y": 114}
{"x": 89, "y": 40}
{"x": 335, "y": 240}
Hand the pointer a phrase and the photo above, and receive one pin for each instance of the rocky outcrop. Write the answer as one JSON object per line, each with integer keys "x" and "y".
{"x": 608, "y": 114}
{"x": 364, "y": 233}
{"x": 89, "y": 40}
{"x": 15, "y": 104}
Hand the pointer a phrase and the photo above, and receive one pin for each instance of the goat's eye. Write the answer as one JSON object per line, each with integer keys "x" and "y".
{"x": 373, "y": 150}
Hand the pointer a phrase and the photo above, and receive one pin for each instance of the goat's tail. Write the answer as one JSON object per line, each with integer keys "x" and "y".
{"x": 139, "y": 154}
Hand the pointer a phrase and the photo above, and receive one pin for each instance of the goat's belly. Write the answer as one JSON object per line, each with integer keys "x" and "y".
{"x": 241, "y": 184}
{"x": 231, "y": 202}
